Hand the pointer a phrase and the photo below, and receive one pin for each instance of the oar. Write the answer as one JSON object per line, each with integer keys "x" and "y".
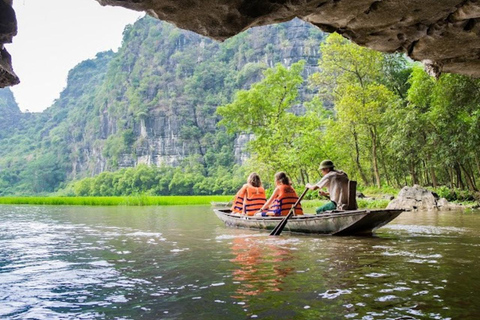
{"x": 279, "y": 228}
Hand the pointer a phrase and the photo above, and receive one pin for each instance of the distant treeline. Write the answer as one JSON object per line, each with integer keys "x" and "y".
{"x": 151, "y": 180}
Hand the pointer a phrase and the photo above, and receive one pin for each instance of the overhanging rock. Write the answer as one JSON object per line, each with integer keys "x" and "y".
{"x": 445, "y": 34}
{"x": 8, "y": 29}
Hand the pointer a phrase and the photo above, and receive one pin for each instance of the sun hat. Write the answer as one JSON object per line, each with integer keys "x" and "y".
{"x": 326, "y": 164}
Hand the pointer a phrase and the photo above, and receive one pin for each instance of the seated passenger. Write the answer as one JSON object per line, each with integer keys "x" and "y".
{"x": 282, "y": 199}
{"x": 251, "y": 197}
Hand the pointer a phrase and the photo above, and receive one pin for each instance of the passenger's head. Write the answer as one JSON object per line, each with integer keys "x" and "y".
{"x": 254, "y": 180}
{"x": 281, "y": 178}
{"x": 326, "y": 166}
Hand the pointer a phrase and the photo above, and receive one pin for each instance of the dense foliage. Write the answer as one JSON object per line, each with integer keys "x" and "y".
{"x": 149, "y": 180}
{"x": 284, "y": 140}
{"x": 392, "y": 124}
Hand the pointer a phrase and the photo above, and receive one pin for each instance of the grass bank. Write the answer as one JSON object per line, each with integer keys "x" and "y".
{"x": 158, "y": 201}
{"x": 117, "y": 201}
{"x": 362, "y": 203}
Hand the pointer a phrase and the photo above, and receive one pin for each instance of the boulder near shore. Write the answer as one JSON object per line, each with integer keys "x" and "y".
{"x": 418, "y": 198}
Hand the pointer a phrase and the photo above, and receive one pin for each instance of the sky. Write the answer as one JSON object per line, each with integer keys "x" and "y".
{"x": 53, "y": 37}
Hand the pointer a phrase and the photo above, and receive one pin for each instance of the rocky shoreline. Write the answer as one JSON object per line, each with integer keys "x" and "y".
{"x": 418, "y": 198}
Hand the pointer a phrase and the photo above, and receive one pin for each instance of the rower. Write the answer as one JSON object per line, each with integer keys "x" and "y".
{"x": 338, "y": 188}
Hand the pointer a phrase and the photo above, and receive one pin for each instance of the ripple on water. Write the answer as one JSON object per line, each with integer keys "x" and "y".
{"x": 427, "y": 230}
{"x": 236, "y": 236}
{"x": 39, "y": 279}
{"x": 117, "y": 299}
{"x": 376, "y": 275}
{"x": 387, "y": 298}
{"x": 62, "y": 270}
{"x": 394, "y": 289}
{"x": 333, "y": 294}
{"x": 416, "y": 257}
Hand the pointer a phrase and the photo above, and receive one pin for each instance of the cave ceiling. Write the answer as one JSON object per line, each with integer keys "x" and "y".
{"x": 443, "y": 34}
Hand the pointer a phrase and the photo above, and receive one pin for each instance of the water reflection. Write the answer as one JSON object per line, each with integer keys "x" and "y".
{"x": 259, "y": 266}
{"x": 182, "y": 263}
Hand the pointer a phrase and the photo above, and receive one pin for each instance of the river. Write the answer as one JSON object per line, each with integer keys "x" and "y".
{"x": 183, "y": 263}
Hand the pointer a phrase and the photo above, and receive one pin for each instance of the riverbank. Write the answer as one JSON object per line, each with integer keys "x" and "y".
{"x": 362, "y": 203}
{"x": 117, "y": 201}
{"x": 159, "y": 201}
{"x": 365, "y": 203}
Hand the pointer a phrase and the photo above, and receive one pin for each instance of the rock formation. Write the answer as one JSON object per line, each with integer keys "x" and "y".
{"x": 8, "y": 29}
{"x": 418, "y": 198}
{"x": 444, "y": 35}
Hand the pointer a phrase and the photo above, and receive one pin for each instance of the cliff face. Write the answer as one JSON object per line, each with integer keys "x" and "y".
{"x": 165, "y": 84}
{"x": 154, "y": 101}
{"x": 10, "y": 114}
{"x": 166, "y": 135}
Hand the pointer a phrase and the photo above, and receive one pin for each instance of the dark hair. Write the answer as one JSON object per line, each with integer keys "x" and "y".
{"x": 282, "y": 178}
{"x": 254, "y": 180}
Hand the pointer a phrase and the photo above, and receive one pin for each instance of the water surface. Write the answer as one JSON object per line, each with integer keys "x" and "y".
{"x": 183, "y": 263}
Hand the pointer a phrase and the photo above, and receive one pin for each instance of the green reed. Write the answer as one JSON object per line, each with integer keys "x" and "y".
{"x": 117, "y": 201}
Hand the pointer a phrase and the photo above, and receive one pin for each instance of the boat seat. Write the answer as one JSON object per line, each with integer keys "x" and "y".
{"x": 352, "y": 195}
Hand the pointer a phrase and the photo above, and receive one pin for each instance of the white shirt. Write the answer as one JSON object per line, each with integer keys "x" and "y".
{"x": 336, "y": 183}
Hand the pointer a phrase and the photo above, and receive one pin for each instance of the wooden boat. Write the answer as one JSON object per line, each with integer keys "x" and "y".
{"x": 354, "y": 222}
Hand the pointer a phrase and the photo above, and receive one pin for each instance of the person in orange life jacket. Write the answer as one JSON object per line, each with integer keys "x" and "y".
{"x": 282, "y": 199}
{"x": 251, "y": 197}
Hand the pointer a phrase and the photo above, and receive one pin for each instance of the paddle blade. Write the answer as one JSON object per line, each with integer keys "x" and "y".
{"x": 279, "y": 228}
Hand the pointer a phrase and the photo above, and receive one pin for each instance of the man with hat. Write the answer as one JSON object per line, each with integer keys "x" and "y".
{"x": 336, "y": 182}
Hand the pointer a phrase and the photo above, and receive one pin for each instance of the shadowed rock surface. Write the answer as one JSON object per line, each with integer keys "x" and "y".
{"x": 8, "y": 29}
{"x": 444, "y": 35}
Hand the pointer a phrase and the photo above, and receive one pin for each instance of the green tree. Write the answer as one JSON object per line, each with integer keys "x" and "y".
{"x": 350, "y": 75}
{"x": 282, "y": 139}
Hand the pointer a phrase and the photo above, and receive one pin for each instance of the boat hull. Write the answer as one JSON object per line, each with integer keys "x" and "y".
{"x": 334, "y": 223}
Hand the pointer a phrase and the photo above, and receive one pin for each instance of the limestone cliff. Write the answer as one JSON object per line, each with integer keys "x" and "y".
{"x": 165, "y": 84}
{"x": 154, "y": 101}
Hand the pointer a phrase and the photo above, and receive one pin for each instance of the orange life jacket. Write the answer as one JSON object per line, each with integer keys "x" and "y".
{"x": 237, "y": 206}
{"x": 286, "y": 198}
{"x": 249, "y": 200}
{"x": 255, "y": 199}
